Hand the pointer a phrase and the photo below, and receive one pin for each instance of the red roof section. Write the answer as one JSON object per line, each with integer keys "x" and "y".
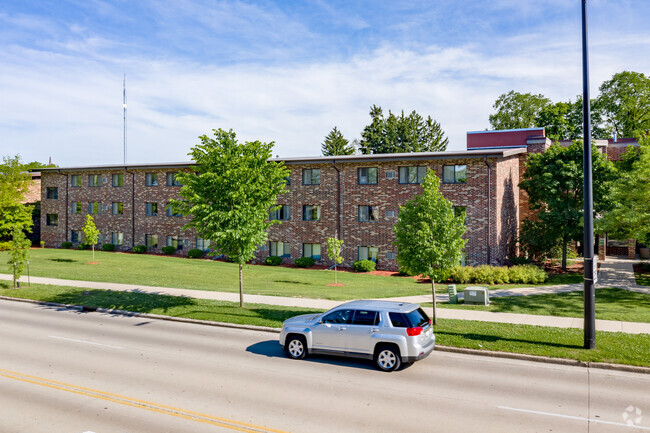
{"x": 504, "y": 138}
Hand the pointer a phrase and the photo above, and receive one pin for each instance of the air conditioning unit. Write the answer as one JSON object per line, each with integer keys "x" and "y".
{"x": 475, "y": 295}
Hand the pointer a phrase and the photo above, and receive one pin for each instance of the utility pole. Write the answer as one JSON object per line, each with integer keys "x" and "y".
{"x": 590, "y": 267}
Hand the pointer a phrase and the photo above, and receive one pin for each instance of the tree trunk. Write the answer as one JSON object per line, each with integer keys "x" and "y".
{"x": 433, "y": 293}
{"x": 564, "y": 247}
{"x": 335, "y": 280}
{"x": 93, "y": 252}
{"x": 241, "y": 286}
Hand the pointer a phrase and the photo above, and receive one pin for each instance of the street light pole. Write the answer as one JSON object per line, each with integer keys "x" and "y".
{"x": 589, "y": 277}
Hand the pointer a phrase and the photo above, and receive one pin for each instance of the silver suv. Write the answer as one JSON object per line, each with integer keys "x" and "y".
{"x": 387, "y": 332}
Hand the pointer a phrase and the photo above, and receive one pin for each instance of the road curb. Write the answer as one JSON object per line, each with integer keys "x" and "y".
{"x": 462, "y": 350}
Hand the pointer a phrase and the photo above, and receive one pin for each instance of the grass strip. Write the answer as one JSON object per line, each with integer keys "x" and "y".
{"x": 611, "y": 304}
{"x": 619, "y": 348}
{"x": 642, "y": 279}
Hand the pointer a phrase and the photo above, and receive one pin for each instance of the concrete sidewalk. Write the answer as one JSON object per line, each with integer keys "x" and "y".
{"x": 445, "y": 313}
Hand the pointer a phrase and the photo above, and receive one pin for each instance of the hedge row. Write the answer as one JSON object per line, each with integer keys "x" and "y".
{"x": 484, "y": 274}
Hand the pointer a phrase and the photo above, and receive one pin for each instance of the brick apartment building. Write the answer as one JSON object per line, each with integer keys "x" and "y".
{"x": 355, "y": 197}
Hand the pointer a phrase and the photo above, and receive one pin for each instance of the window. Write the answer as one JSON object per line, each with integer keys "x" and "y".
{"x": 409, "y": 320}
{"x": 52, "y": 219}
{"x": 310, "y": 213}
{"x": 390, "y": 174}
{"x": 75, "y": 180}
{"x": 367, "y": 213}
{"x": 117, "y": 238}
{"x": 390, "y": 214}
{"x": 52, "y": 192}
{"x": 94, "y": 180}
{"x": 94, "y": 207}
{"x": 366, "y": 318}
{"x": 151, "y": 241}
{"x": 454, "y": 174}
{"x": 76, "y": 207}
{"x": 412, "y": 174}
{"x": 282, "y": 213}
{"x": 461, "y": 210}
{"x": 282, "y": 249}
{"x": 463, "y": 259}
{"x": 311, "y": 250}
{"x": 172, "y": 181}
{"x": 367, "y": 176}
{"x": 311, "y": 176}
{"x": 368, "y": 253}
{"x": 288, "y": 180}
{"x": 151, "y": 179}
{"x": 339, "y": 317}
{"x": 151, "y": 209}
{"x": 118, "y": 208}
{"x": 175, "y": 241}
{"x": 171, "y": 213}
{"x": 390, "y": 256}
{"x": 75, "y": 236}
{"x": 203, "y": 244}
{"x": 118, "y": 179}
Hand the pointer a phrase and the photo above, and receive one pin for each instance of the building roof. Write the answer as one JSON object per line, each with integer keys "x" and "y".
{"x": 342, "y": 159}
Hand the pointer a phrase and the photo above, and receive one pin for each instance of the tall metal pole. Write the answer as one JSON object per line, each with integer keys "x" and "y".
{"x": 124, "y": 106}
{"x": 590, "y": 294}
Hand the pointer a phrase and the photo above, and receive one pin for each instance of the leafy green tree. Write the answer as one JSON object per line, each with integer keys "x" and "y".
{"x": 336, "y": 144}
{"x": 401, "y": 134}
{"x": 516, "y": 110}
{"x": 14, "y": 184}
{"x": 91, "y": 233}
{"x": 334, "y": 253}
{"x": 630, "y": 214}
{"x": 18, "y": 251}
{"x": 229, "y": 195}
{"x": 554, "y": 183}
{"x": 429, "y": 235}
{"x": 35, "y": 165}
{"x": 625, "y": 103}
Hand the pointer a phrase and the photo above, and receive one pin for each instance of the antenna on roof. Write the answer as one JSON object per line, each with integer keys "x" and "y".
{"x": 124, "y": 106}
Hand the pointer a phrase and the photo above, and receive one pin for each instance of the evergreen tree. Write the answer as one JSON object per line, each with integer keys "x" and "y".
{"x": 336, "y": 144}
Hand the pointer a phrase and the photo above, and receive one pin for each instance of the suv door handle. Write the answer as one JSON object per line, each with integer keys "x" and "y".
{"x": 342, "y": 328}
{"x": 372, "y": 331}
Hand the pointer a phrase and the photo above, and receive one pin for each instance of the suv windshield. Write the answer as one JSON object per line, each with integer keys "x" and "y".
{"x": 409, "y": 320}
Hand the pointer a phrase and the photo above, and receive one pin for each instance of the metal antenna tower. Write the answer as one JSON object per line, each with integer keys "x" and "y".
{"x": 124, "y": 106}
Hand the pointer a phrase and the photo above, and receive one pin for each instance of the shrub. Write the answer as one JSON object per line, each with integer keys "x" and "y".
{"x": 519, "y": 260}
{"x": 195, "y": 253}
{"x": 83, "y": 246}
{"x": 526, "y": 274}
{"x": 139, "y": 249}
{"x": 441, "y": 275}
{"x": 5, "y": 246}
{"x": 403, "y": 272}
{"x": 66, "y": 245}
{"x": 108, "y": 247}
{"x": 462, "y": 274}
{"x": 273, "y": 260}
{"x": 305, "y": 262}
{"x": 364, "y": 266}
{"x": 169, "y": 250}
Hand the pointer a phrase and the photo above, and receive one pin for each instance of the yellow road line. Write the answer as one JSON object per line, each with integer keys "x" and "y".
{"x": 140, "y": 404}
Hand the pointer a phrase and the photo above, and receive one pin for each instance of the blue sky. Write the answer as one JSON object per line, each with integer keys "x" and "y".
{"x": 284, "y": 71}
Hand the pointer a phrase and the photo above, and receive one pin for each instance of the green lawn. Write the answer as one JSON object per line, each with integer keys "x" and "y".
{"x": 612, "y": 347}
{"x": 642, "y": 279}
{"x": 177, "y": 272}
{"x": 611, "y": 304}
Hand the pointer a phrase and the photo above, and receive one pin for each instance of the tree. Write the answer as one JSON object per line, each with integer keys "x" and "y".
{"x": 14, "y": 184}
{"x": 401, "y": 134}
{"x": 553, "y": 181}
{"x": 91, "y": 234}
{"x": 516, "y": 110}
{"x": 630, "y": 214}
{"x": 428, "y": 234}
{"x": 229, "y": 195}
{"x": 336, "y": 144}
{"x": 19, "y": 248}
{"x": 334, "y": 253}
{"x": 625, "y": 103}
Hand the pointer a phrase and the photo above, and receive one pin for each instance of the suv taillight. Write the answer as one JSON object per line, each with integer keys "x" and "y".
{"x": 412, "y": 332}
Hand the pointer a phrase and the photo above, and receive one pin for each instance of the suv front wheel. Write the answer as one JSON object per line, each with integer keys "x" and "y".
{"x": 387, "y": 358}
{"x": 296, "y": 347}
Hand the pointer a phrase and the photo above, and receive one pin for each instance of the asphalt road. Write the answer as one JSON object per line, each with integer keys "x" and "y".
{"x": 72, "y": 372}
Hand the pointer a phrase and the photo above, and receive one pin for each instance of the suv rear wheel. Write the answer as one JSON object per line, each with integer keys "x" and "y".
{"x": 387, "y": 358}
{"x": 296, "y": 347}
